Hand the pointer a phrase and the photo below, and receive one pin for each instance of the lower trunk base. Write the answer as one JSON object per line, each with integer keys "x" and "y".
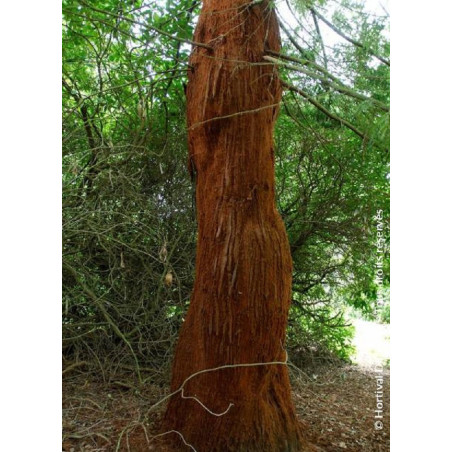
{"x": 253, "y": 425}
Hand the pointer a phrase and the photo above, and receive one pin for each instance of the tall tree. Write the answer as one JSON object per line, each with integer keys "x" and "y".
{"x": 230, "y": 358}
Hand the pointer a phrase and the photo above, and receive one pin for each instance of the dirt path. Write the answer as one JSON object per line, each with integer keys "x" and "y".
{"x": 337, "y": 405}
{"x": 340, "y": 403}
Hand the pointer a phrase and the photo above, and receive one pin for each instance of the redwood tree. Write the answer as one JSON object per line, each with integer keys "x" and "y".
{"x": 239, "y": 307}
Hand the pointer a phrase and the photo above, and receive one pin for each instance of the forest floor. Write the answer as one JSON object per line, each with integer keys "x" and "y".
{"x": 337, "y": 404}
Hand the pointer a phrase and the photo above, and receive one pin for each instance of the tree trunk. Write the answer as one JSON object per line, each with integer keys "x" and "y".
{"x": 240, "y": 302}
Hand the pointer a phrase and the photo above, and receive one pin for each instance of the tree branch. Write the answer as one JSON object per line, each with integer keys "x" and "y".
{"x": 150, "y": 27}
{"x": 317, "y": 28}
{"x": 323, "y": 109}
{"x": 341, "y": 88}
{"x": 347, "y": 38}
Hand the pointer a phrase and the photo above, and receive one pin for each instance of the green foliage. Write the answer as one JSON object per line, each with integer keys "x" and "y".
{"x": 385, "y": 314}
{"x": 331, "y": 181}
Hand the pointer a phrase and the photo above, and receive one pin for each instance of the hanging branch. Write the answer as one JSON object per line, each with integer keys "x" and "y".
{"x": 341, "y": 88}
{"x": 347, "y": 38}
{"x": 323, "y": 109}
{"x": 292, "y": 40}
{"x": 304, "y": 62}
{"x": 317, "y": 28}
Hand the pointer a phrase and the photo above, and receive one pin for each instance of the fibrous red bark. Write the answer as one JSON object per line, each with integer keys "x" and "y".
{"x": 239, "y": 307}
